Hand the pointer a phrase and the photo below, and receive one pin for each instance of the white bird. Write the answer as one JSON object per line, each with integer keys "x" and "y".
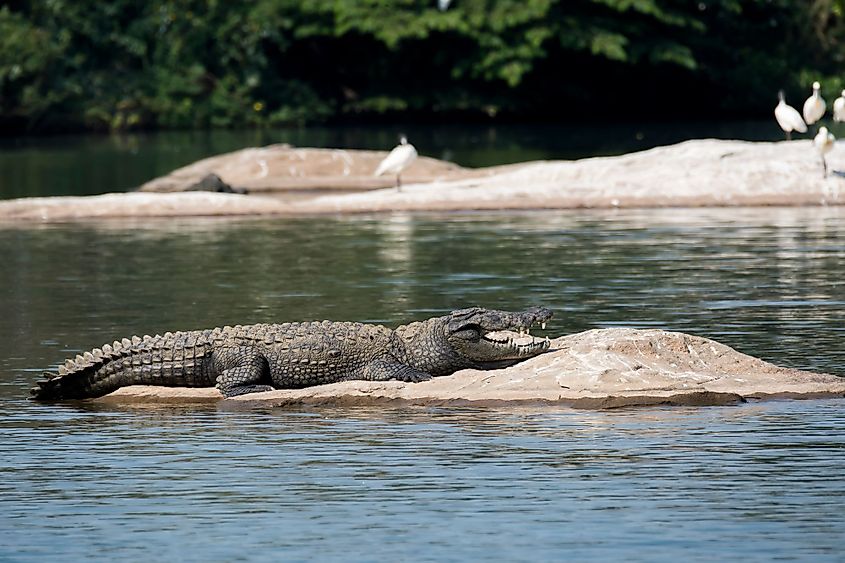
{"x": 788, "y": 118}
{"x": 398, "y": 160}
{"x": 814, "y": 106}
{"x": 839, "y": 108}
{"x": 824, "y": 142}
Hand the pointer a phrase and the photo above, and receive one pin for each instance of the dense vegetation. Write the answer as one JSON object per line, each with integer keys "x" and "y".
{"x": 118, "y": 64}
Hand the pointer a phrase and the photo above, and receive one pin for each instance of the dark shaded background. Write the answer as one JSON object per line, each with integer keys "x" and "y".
{"x": 124, "y": 65}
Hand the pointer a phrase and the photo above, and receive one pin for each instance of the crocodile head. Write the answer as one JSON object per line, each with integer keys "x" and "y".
{"x": 475, "y": 337}
{"x": 490, "y": 336}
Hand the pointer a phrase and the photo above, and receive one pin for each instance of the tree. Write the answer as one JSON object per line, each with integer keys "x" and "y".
{"x": 121, "y": 64}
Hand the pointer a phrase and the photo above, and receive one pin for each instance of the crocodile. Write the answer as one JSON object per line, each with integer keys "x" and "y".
{"x": 262, "y": 357}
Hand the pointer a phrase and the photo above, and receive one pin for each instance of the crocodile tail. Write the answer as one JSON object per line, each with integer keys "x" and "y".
{"x": 55, "y": 387}
{"x": 83, "y": 376}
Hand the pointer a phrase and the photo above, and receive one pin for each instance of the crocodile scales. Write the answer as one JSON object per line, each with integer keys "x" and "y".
{"x": 262, "y": 357}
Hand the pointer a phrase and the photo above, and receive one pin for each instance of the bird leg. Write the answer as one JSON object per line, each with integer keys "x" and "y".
{"x": 789, "y": 135}
{"x": 399, "y": 182}
{"x": 824, "y": 166}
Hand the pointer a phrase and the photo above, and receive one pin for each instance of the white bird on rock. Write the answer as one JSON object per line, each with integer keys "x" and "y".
{"x": 788, "y": 118}
{"x": 824, "y": 142}
{"x": 839, "y": 107}
{"x": 814, "y": 106}
{"x": 398, "y": 160}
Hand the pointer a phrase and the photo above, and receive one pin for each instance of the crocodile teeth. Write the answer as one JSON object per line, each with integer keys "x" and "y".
{"x": 543, "y": 325}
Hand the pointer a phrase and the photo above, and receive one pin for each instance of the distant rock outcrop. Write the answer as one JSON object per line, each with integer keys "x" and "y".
{"x": 280, "y": 168}
{"x": 704, "y": 173}
{"x": 701, "y": 173}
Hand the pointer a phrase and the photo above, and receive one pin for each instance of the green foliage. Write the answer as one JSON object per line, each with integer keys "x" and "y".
{"x": 27, "y": 58}
{"x": 123, "y": 64}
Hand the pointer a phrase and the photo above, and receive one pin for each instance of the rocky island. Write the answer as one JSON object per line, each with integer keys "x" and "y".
{"x": 282, "y": 180}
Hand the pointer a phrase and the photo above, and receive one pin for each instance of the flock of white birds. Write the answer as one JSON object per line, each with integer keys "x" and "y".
{"x": 814, "y": 107}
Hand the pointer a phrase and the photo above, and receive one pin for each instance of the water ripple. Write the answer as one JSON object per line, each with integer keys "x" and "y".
{"x": 197, "y": 484}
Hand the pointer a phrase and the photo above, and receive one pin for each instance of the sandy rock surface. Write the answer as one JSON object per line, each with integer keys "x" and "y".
{"x": 701, "y": 173}
{"x": 282, "y": 167}
{"x": 594, "y": 369}
{"x": 698, "y": 173}
{"x": 137, "y": 204}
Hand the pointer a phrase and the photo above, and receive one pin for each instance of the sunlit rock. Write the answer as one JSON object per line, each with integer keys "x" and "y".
{"x": 278, "y": 168}
{"x": 701, "y": 173}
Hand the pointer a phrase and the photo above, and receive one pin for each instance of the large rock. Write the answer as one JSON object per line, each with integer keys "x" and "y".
{"x": 278, "y": 168}
{"x": 692, "y": 174}
{"x": 137, "y": 204}
{"x": 594, "y": 369}
{"x": 700, "y": 173}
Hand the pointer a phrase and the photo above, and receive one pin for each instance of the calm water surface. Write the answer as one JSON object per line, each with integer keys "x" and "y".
{"x": 203, "y": 483}
{"x": 748, "y": 483}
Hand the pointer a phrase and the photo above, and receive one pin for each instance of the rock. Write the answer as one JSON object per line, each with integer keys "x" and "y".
{"x": 280, "y": 168}
{"x": 595, "y": 369}
{"x": 691, "y": 174}
{"x": 137, "y": 204}
{"x": 700, "y": 173}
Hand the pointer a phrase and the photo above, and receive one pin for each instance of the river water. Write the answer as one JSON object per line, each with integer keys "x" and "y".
{"x": 206, "y": 483}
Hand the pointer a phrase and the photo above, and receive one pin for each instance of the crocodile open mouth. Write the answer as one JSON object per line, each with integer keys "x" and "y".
{"x": 519, "y": 339}
{"x": 519, "y": 342}
{"x": 491, "y": 337}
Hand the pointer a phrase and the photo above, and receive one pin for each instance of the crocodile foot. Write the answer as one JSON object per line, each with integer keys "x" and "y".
{"x": 244, "y": 389}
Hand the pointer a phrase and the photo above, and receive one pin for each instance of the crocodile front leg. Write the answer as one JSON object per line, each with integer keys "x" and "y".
{"x": 241, "y": 370}
{"x": 381, "y": 370}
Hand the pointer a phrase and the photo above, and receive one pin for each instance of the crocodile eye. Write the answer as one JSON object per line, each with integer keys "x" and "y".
{"x": 468, "y": 332}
